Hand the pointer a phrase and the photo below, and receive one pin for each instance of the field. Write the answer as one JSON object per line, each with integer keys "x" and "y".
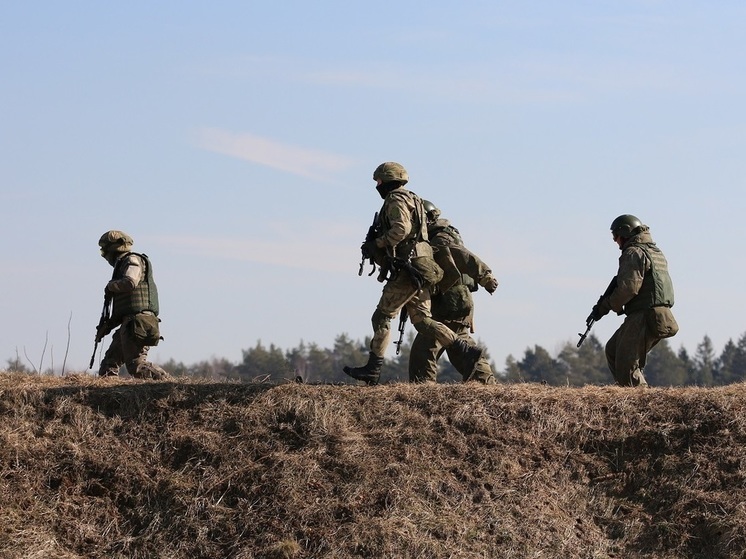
{"x": 118, "y": 468}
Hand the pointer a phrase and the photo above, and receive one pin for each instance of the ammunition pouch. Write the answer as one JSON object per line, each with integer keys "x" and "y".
{"x": 661, "y": 322}
{"x": 146, "y": 329}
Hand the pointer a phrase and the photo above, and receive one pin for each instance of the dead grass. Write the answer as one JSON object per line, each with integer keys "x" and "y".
{"x": 112, "y": 469}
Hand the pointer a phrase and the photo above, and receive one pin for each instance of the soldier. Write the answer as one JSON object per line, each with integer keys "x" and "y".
{"x": 452, "y": 302}
{"x": 401, "y": 246}
{"x": 134, "y": 297}
{"x": 644, "y": 292}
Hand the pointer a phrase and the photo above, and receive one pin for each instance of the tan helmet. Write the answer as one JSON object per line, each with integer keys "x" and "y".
{"x": 115, "y": 241}
{"x": 391, "y": 172}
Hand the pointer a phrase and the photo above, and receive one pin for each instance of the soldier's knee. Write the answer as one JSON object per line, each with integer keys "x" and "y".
{"x": 424, "y": 325}
{"x": 380, "y": 321}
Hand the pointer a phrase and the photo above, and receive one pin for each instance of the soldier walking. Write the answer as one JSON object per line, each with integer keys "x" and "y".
{"x": 409, "y": 271}
{"x": 134, "y": 299}
{"x": 643, "y": 291}
{"x": 452, "y": 301}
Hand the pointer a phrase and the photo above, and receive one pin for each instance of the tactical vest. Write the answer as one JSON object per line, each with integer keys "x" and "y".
{"x": 456, "y": 303}
{"x": 143, "y": 298}
{"x": 657, "y": 288}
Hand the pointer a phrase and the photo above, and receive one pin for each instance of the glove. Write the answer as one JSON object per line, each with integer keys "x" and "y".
{"x": 600, "y": 310}
{"x": 490, "y": 284}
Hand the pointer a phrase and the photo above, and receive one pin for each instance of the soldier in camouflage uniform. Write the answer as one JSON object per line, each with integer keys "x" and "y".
{"x": 401, "y": 245}
{"x": 134, "y": 297}
{"x": 644, "y": 293}
{"x": 452, "y": 302}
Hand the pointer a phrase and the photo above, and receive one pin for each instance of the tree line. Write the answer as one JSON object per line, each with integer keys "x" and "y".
{"x": 573, "y": 366}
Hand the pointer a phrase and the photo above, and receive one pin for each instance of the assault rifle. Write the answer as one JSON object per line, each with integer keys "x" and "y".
{"x": 590, "y": 320}
{"x": 402, "y": 323}
{"x": 101, "y": 329}
{"x": 368, "y": 246}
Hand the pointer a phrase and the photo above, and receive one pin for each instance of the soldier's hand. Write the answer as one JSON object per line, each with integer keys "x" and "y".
{"x": 599, "y": 311}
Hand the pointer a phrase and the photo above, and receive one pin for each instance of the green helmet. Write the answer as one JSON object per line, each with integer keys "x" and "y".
{"x": 391, "y": 172}
{"x": 431, "y": 210}
{"x": 115, "y": 241}
{"x": 625, "y": 226}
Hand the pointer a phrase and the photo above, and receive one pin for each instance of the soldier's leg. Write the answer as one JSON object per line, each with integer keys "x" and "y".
{"x": 394, "y": 296}
{"x": 423, "y": 359}
{"x": 482, "y": 372}
{"x": 627, "y": 348}
{"x": 113, "y": 357}
{"x": 135, "y": 355}
{"x": 419, "y": 312}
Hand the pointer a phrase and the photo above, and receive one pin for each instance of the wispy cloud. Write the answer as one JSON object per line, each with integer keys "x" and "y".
{"x": 298, "y": 253}
{"x": 306, "y": 162}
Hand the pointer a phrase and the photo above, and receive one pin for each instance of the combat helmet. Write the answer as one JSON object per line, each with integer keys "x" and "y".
{"x": 625, "y": 226}
{"x": 431, "y": 211}
{"x": 391, "y": 172}
{"x": 115, "y": 241}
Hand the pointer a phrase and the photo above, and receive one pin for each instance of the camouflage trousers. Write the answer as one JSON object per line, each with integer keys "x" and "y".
{"x": 425, "y": 352}
{"x": 627, "y": 350}
{"x": 126, "y": 349}
{"x": 396, "y": 294}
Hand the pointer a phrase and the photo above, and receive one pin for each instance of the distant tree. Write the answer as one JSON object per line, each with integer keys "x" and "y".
{"x": 16, "y": 365}
{"x": 664, "y": 367}
{"x": 730, "y": 367}
{"x": 725, "y": 365}
{"x": 537, "y": 366}
{"x": 739, "y": 363}
{"x": 260, "y": 363}
{"x": 704, "y": 363}
{"x": 587, "y": 364}
{"x": 215, "y": 368}
{"x": 175, "y": 369}
{"x": 511, "y": 373}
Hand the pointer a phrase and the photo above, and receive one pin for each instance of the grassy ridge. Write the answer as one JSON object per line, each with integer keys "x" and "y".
{"x": 112, "y": 468}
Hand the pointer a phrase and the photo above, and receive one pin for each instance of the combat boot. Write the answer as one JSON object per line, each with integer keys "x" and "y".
{"x": 368, "y": 373}
{"x": 471, "y": 355}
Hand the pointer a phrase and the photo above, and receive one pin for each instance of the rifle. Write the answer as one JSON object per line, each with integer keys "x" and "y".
{"x": 365, "y": 248}
{"x": 101, "y": 328}
{"x": 590, "y": 320}
{"x": 402, "y": 322}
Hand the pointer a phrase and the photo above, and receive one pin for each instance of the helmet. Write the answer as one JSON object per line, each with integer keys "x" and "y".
{"x": 390, "y": 172}
{"x": 432, "y": 212}
{"x": 625, "y": 225}
{"x": 115, "y": 241}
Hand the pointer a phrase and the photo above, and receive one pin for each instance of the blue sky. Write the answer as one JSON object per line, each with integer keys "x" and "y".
{"x": 235, "y": 142}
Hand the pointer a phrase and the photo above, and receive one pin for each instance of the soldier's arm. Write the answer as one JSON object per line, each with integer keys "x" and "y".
{"x": 132, "y": 275}
{"x": 399, "y": 220}
{"x": 470, "y": 264}
{"x": 632, "y": 266}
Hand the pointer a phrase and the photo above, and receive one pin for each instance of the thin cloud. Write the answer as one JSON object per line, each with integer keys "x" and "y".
{"x": 305, "y": 162}
{"x": 286, "y": 253}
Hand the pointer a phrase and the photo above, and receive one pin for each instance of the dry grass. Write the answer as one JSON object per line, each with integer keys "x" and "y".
{"x": 112, "y": 469}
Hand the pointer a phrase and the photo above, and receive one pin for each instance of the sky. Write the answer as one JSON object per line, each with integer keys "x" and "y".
{"x": 235, "y": 142}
